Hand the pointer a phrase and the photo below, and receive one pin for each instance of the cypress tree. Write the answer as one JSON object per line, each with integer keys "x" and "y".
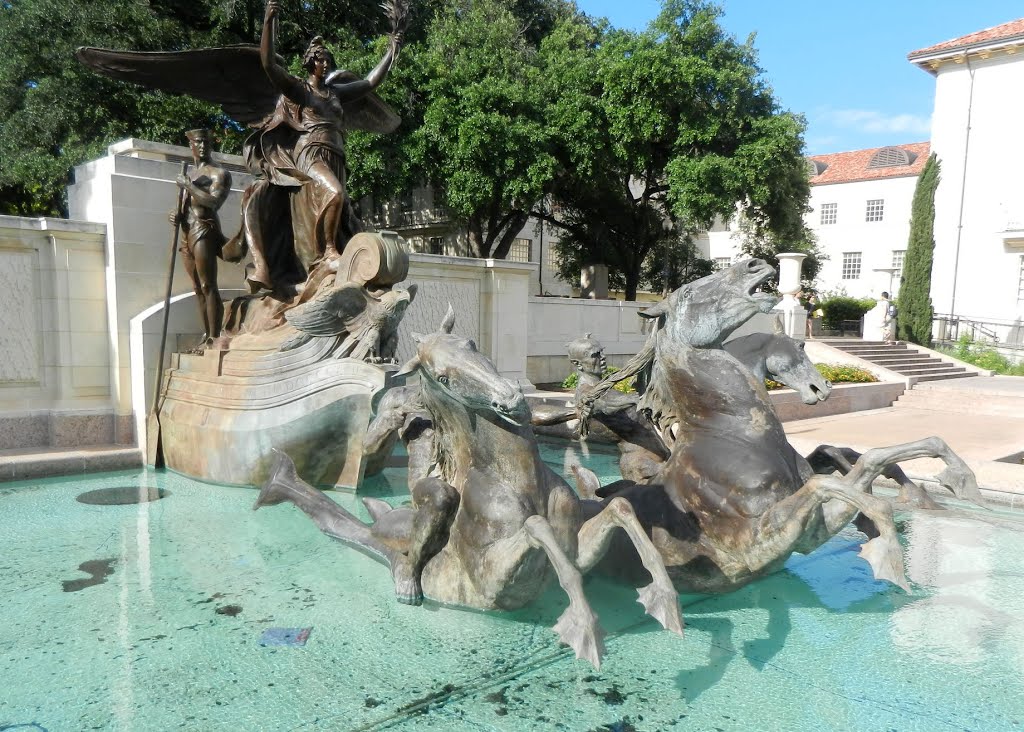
{"x": 915, "y": 304}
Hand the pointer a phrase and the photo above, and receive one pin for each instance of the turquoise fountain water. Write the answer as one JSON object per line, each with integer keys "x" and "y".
{"x": 161, "y": 630}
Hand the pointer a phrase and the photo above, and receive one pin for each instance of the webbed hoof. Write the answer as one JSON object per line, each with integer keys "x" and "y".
{"x": 579, "y": 630}
{"x": 885, "y": 555}
{"x": 963, "y": 484}
{"x": 662, "y": 605}
{"x": 407, "y": 588}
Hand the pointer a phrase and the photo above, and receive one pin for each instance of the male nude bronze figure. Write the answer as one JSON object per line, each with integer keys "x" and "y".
{"x": 206, "y": 190}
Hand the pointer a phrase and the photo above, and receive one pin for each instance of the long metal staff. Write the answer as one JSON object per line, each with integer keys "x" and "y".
{"x": 154, "y": 455}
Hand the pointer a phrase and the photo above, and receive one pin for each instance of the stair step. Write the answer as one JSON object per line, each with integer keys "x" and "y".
{"x": 874, "y": 356}
{"x": 25, "y": 464}
{"x": 905, "y": 361}
{"x": 959, "y": 404}
{"x": 849, "y": 341}
{"x": 936, "y": 364}
{"x": 867, "y": 352}
{"x": 945, "y": 375}
{"x": 928, "y": 371}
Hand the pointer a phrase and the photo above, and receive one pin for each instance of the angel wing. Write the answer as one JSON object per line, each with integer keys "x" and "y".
{"x": 231, "y": 76}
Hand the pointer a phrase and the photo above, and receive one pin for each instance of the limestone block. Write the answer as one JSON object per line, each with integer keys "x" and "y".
{"x": 19, "y": 321}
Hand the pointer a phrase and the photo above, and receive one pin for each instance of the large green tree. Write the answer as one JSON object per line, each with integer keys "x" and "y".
{"x": 483, "y": 141}
{"x": 914, "y": 302}
{"x": 659, "y": 132}
{"x": 58, "y": 114}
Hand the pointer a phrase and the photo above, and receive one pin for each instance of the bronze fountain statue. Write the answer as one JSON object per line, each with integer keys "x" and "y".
{"x": 206, "y": 190}
{"x": 712, "y": 497}
{"x": 297, "y": 210}
{"x": 280, "y": 371}
{"x": 493, "y": 524}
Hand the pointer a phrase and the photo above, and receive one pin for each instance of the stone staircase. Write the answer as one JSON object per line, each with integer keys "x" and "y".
{"x": 901, "y": 358}
{"x": 966, "y": 397}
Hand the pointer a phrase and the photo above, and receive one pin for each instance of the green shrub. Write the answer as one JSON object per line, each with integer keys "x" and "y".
{"x": 983, "y": 356}
{"x": 836, "y": 373}
{"x": 837, "y": 309}
{"x": 624, "y": 386}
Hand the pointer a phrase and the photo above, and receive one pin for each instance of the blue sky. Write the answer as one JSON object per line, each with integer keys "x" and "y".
{"x": 842, "y": 64}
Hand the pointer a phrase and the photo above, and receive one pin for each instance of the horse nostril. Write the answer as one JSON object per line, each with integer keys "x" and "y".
{"x": 828, "y": 383}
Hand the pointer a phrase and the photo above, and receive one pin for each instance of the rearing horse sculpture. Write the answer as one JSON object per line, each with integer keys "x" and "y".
{"x": 734, "y": 500}
{"x": 493, "y": 522}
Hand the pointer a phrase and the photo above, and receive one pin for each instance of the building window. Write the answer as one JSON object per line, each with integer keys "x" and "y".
{"x": 435, "y": 245}
{"x": 723, "y": 263}
{"x": 897, "y": 264}
{"x": 851, "y": 265}
{"x": 875, "y": 210}
{"x": 828, "y": 213}
{"x": 520, "y": 250}
{"x": 1020, "y": 281}
{"x": 888, "y": 157}
{"x": 551, "y": 258}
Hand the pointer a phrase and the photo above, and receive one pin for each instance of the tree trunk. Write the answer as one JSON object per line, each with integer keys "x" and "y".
{"x": 632, "y": 282}
{"x": 475, "y": 235}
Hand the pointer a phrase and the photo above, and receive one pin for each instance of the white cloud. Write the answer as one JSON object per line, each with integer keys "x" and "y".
{"x": 870, "y": 120}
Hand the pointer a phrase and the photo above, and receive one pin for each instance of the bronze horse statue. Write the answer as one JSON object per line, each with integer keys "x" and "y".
{"x": 642, "y": 445}
{"x": 492, "y": 524}
{"x": 735, "y": 500}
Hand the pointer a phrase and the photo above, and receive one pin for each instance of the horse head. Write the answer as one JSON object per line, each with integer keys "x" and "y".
{"x": 704, "y": 312}
{"x": 451, "y": 369}
{"x": 788, "y": 363}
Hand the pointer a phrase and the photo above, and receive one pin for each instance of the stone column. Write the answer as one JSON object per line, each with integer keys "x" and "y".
{"x": 793, "y": 315}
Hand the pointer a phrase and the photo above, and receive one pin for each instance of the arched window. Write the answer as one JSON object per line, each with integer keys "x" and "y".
{"x": 815, "y": 167}
{"x": 891, "y": 157}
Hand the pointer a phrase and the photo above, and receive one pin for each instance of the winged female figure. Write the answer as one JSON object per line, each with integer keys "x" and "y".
{"x": 297, "y": 210}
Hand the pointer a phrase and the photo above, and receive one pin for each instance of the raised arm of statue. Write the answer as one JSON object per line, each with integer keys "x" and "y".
{"x": 347, "y": 91}
{"x": 279, "y": 77}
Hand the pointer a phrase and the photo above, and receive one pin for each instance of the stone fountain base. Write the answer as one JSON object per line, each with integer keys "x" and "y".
{"x": 223, "y": 411}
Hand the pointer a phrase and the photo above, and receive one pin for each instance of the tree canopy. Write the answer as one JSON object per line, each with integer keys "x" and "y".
{"x": 629, "y": 142}
{"x": 658, "y": 133}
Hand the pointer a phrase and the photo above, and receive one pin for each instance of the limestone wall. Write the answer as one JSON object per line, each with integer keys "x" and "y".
{"x": 54, "y": 348}
{"x": 131, "y": 191}
{"x": 553, "y": 322}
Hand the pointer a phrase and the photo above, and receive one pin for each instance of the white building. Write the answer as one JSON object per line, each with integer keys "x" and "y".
{"x": 860, "y": 213}
{"x": 861, "y": 200}
{"x": 978, "y": 271}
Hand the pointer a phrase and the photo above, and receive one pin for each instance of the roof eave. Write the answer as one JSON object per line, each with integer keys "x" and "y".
{"x": 929, "y": 60}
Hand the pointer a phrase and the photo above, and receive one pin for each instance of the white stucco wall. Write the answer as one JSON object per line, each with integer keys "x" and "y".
{"x": 991, "y": 240}
{"x": 875, "y": 240}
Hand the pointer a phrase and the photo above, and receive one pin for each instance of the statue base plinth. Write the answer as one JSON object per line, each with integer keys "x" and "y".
{"x": 225, "y": 410}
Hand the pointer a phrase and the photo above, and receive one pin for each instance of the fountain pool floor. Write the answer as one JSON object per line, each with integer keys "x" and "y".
{"x": 148, "y": 616}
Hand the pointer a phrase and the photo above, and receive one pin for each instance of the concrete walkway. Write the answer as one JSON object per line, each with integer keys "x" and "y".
{"x": 980, "y": 440}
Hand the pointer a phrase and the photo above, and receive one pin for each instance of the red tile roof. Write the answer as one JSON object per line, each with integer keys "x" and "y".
{"x": 847, "y": 167}
{"x": 1013, "y": 29}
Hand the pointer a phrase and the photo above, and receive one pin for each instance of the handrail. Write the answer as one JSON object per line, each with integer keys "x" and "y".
{"x": 987, "y": 329}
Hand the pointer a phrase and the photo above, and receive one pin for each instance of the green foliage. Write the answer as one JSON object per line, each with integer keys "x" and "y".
{"x": 836, "y": 373}
{"x": 58, "y": 114}
{"x": 625, "y": 386}
{"x": 983, "y": 356}
{"x": 839, "y": 308}
{"x": 914, "y": 301}
{"x": 483, "y": 137}
{"x": 656, "y": 134}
